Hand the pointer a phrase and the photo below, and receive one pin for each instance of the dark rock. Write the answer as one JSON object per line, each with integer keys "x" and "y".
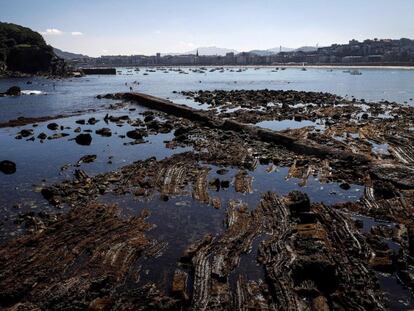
{"x": 153, "y": 125}
{"x": 384, "y": 190}
{"x": 26, "y": 133}
{"x": 84, "y": 139}
{"x": 298, "y": 202}
{"x": 399, "y": 175}
{"x": 7, "y": 167}
{"x": 104, "y": 132}
{"x": 57, "y": 136}
{"x": 345, "y": 186}
{"x": 81, "y": 121}
{"x": 410, "y": 233}
{"x": 134, "y": 134}
{"x": 92, "y": 121}
{"x": 359, "y": 223}
{"x": 42, "y": 136}
{"x": 224, "y": 184}
{"x": 149, "y": 118}
{"x": 89, "y": 158}
{"x": 53, "y": 126}
{"x": 215, "y": 183}
{"x": 13, "y": 91}
{"x": 222, "y": 171}
{"x": 297, "y": 117}
{"x": 180, "y": 131}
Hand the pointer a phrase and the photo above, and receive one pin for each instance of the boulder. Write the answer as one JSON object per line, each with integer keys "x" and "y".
{"x": 134, "y": 134}
{"x": 13, "y": 91}
{"x": 84, "y": 139}
{"x": 7, "y": 167}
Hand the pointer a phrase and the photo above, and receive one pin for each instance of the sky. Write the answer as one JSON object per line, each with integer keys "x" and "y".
{"x": 112, "y": 27}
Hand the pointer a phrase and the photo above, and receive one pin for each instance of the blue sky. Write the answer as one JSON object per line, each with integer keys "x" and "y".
{"x": 97, "y": 27}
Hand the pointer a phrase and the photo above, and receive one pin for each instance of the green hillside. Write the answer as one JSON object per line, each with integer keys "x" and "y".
{"x": 24, "y": 50}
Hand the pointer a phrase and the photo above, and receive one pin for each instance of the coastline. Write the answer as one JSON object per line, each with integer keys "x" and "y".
{"x": 268, "y": 66}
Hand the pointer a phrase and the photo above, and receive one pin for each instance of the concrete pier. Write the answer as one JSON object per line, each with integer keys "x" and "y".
{"x": 207, "y": 118}
{"x": 99, "y": 71}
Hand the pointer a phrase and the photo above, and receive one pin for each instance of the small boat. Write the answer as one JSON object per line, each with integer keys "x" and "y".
{"x": 356, "y": 73}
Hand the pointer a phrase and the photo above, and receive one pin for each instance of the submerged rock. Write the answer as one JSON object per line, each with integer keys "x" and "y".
{"x": 26, "y": 133}
{"x": 104, "y": 132}
{"x": 92, "y": 121}
{"x": 42, "y": 136}
{"x": 89, "y": 158}
{"x": 53, "y": 126}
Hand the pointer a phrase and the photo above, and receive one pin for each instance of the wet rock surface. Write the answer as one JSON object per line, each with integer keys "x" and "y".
{"x": 211, "y": 227}
{"x": 79, "y": 262}
{"x": 12, "y": 91}
{"x": 7, "y": 167}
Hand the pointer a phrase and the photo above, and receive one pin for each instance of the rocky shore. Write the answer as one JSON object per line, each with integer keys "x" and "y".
{"x": 206, "y": 228}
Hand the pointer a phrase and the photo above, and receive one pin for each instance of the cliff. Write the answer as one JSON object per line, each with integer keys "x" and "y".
{"x": 23, "y": 50}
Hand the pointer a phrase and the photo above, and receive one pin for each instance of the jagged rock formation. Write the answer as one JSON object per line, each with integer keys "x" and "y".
{"x": 82, "y": 260}
{"x": 25, "y": 51}
{"x": 312, "y": 256}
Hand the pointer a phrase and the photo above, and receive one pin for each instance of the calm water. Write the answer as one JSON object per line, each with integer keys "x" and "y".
{"x": 75, "y": 94}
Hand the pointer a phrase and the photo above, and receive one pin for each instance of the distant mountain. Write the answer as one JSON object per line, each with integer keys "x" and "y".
{"x": 207, "y": 51}
{"x": 307, "y": 49}
{"x": 68, "y": 55}
{"x": 280, "y": 49}
{"x": 262, "y": 52}
{"x": 273, "y": 51}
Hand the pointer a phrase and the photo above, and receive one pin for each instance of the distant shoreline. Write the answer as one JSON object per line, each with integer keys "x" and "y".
{"x": 405, "y": 67}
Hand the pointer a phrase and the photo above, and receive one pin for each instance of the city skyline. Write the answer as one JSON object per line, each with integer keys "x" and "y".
{"x": 143, "y": 27}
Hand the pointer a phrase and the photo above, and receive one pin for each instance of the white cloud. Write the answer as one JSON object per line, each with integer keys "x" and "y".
{"x": 157, "y": 32}
{"x": 76, "y": 33}
{"x": 52, "y": 32}
{"x": 184, "y": 44}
